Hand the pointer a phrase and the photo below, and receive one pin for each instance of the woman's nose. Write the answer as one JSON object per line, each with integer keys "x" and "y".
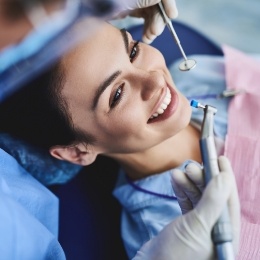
{"x": 151, "y": 83}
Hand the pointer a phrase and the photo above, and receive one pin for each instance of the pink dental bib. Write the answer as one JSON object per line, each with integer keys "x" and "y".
{"x": 242, "y": 145}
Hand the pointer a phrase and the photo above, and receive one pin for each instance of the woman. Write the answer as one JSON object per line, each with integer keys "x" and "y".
{"x": 115, "y": 97}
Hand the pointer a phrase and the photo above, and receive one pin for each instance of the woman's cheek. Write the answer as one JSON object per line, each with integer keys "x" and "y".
{"x": 130, "y": 121}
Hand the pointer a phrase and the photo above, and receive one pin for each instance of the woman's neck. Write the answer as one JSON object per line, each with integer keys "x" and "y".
{"x": 167, "y": 155}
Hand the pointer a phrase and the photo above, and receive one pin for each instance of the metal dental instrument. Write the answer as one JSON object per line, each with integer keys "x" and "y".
{"x": 187, "y": 64}
{"x": 221, "y": 233}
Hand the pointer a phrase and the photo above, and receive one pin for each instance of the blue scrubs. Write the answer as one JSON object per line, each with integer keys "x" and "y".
{"x": 28, "y": 215}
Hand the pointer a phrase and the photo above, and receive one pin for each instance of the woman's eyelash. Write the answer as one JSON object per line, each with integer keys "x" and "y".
{"x": 134, "y": 51}
{"x": 120, "y": 90}
{"x": 117, "y": 96}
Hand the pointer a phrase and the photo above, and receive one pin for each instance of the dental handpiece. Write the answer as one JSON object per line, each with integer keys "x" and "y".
{"x": 187, "y": 64}
{"x": 222, "y": 232}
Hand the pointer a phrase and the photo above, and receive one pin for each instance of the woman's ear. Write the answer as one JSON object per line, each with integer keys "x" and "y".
{"x": 77, "y": 154}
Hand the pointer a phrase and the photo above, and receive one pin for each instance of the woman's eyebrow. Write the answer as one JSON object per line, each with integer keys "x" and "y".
{"x": 125, "y": 39}
{"x": 102, "y": 87}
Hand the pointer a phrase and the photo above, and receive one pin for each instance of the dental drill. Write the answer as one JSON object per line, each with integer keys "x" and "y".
{"x": 187, "y": 64}
{"x": 221, "y": 233}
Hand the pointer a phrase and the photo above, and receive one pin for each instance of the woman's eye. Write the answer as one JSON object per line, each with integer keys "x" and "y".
{"x": 117, "y": 96}
{"x": 134, "y": 51}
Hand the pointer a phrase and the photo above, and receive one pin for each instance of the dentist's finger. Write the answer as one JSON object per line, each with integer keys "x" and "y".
{"x": 233, "y": 202}
{"x": 215, "y": 197}
{"x": 153, "y": 27}
{"x": 186, "y": 192}
{"x": 195, "y": 174}
{"x": 170, "y": 8}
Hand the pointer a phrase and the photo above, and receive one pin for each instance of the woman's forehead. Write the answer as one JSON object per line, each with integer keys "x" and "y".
{"x": 99, "y": 43}
{"x": 92, "y": 61}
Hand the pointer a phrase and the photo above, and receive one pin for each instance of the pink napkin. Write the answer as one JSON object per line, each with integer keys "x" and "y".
{"x": 242, "y": 145}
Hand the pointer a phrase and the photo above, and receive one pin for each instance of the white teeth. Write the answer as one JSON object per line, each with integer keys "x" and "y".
{"x": 160, "y": 110}
{"x": 167, "y": 100}
{"x": 163, "y": 105}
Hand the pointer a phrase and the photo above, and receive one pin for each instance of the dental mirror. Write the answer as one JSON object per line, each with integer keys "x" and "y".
{"x": 187, "y": 64}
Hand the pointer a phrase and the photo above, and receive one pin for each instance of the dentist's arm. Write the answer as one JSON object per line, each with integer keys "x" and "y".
{"x": 189, "y": 236}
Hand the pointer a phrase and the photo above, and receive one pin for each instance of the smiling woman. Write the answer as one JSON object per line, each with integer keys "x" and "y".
{"x": 118, "y": 84}
{"x": 112, "y": 96}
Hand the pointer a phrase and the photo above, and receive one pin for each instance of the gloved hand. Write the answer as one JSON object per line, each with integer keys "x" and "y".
{"x": 149, "y": 10}
{"x": 189, "y": 236}
{"x": 188, "y": 186}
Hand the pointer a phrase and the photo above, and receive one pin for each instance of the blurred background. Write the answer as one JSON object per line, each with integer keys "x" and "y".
{"x": 232, "y": 22}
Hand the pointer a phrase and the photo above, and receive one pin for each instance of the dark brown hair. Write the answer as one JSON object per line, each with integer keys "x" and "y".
{"x": 39, "y": 115}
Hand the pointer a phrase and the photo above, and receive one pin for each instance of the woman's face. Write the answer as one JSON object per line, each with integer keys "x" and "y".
{"x": 120, "y": 92}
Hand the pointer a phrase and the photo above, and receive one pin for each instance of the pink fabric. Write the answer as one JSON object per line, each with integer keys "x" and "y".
{"x": 242, "y": 145}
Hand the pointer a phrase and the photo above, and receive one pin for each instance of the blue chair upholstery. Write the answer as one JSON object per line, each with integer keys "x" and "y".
{"x": 89, "y": 215}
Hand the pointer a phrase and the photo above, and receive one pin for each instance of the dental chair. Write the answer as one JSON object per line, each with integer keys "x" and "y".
{"x": 89, "y": 214}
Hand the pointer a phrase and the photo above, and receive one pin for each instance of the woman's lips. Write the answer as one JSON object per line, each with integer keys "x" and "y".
{"x": 170, "y": 109}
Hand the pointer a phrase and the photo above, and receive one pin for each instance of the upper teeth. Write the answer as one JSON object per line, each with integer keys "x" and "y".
{"x": 163, "y": 105}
